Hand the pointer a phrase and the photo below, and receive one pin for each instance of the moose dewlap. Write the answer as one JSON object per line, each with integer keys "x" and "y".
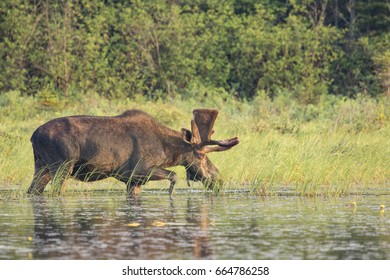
{"x": 132, "y": 147}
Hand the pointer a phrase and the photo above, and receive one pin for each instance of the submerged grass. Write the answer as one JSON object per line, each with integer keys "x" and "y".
{"x": 337, "y": 147}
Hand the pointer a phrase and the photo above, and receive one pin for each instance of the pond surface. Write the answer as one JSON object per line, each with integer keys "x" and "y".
{"x": 194, "y": 226}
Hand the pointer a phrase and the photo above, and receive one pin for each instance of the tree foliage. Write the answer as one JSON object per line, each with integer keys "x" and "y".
{"x": 304, "y": 49}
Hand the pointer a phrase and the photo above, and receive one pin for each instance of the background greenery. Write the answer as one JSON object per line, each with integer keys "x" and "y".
{"x": 163, "y": 49}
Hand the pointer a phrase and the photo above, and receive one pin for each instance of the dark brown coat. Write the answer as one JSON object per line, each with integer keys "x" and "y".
{"x": 131, "y": 147}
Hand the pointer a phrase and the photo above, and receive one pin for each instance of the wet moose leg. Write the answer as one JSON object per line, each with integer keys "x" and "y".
{"x": 134, "y": 184}
{"x": 39, "y": 182}
{"x": 163, "y": 174}
{"x": 41, "y": 177}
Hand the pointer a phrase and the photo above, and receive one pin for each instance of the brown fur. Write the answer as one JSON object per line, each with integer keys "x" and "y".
{"x": 131, "y": 147}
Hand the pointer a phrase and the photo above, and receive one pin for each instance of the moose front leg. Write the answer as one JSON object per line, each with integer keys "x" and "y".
{"x": 163, "y": 174}
{"x": 135, "y": 181}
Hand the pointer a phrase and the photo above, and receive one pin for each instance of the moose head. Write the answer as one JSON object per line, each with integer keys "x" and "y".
{"x": 196, "y": 162}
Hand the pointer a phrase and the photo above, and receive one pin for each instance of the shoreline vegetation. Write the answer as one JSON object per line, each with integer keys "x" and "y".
{"x": 337, "y": 147}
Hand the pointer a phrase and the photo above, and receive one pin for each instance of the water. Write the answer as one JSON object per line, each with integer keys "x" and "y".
{"x": 194, "y": 226}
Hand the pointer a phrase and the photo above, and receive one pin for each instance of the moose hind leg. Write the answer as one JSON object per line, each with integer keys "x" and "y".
{"x": 39, "y": 182}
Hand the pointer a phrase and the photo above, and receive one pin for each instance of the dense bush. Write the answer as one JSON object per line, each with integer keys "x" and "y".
{"x": 304, "y": 49}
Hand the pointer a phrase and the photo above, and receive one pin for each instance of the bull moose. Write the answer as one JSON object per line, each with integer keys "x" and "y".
{"x": 132, "y": 147}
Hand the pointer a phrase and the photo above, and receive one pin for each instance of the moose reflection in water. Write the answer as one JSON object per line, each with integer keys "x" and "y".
{"x": 64, "y": 232}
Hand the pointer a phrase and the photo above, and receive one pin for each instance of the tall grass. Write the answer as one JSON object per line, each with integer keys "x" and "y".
{"x": 337, "y": 147}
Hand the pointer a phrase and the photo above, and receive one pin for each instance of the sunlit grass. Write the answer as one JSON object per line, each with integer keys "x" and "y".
{"x": 313, "y": 164}
{"x": 336, "y": 148}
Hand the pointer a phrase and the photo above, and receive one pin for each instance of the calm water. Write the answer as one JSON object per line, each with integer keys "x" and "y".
{"x": 194, "y": 226}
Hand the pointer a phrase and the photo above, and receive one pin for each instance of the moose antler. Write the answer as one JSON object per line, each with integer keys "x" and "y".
{"x": 202, "y": 124}
{"x": 202, "y": 129}
{"x": 223, "y": 145}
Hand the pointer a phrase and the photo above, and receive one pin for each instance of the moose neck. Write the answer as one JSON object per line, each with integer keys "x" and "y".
{"x": 174, "y": 146}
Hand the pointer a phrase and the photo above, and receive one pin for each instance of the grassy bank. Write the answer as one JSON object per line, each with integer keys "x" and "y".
{"x": 337, "y": 147}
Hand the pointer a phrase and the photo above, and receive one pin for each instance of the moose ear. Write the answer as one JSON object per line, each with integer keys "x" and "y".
{"x": 186, "y": 135}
